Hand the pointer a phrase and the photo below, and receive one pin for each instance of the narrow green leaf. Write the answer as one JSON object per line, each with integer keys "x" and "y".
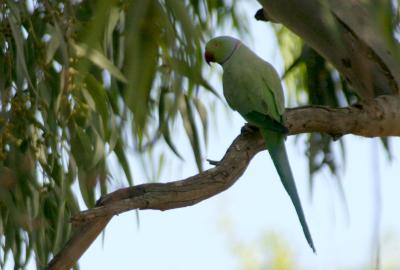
{"x": 53, "y": 44}
{"x": 99, "y": 96}
{"x": 16, "y": 32}
{"x": 98, "y": 152}
{"x": 191, "y": 131}
{"x": 98, "y": 59}
{"x": 184, "y": 69}
{"x": 15, "y": 9}
{"x": 180, "y": 12}
{"x": 120, "y": 153}
{"x": 163, "y": 127}
{"x": 161, "y": 162}
{"x": 112, "y": 23}
{"x": 167, "y": 137}
{"x": 86, "y": 193}
{"x": 386, "y": 145}
{"x": 112, "y": 134}
{"x": 202, "y": 111}
{"x": 57, "y": 243}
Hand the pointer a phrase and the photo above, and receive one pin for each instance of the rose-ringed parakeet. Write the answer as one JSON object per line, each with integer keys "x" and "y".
{"x": 252, "y": 87}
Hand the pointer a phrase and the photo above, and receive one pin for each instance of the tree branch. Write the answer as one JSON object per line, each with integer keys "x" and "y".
{"x": 349, "y": 35}
{"x": 378, "y": 117}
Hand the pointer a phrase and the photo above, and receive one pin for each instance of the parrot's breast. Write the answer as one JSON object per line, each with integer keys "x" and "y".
{"x": 238, "y": 84}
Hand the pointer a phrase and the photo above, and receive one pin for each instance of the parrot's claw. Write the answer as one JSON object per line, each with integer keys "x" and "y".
{"x": 248, "y": 128}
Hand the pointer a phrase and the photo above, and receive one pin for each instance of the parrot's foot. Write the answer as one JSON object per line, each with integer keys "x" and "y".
{"x": 248, "y": 128}
{"x": 214, "y": 162}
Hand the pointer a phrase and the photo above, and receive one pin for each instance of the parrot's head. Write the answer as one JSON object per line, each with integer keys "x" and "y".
{"x": 220, "y": 49}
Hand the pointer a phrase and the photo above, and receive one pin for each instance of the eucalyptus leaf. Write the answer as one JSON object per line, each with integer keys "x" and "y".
{"x": 191, "y": 131}
{"x": 76, "y": 78}
{"x": 53, "y": 44}
{"x": 99, "y": 59}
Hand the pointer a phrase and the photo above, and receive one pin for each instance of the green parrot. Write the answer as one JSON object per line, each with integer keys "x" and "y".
{"x": 252, "y": 87}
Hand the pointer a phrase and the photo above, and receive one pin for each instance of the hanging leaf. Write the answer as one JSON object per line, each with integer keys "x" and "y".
{"x": 99, "y": 96}
{"x": 191, "y": 131}
{"x": 76, "y": 77}
{"x": 53, "y": 44}
{"x": 19, "y": 42}
{"x": 119, "y": 151}
{"x": 99, "y": 59}
{"x": 202, "y": 111}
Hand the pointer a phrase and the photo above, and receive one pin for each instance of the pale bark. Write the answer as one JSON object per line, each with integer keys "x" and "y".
{"x": 375, "y": 118}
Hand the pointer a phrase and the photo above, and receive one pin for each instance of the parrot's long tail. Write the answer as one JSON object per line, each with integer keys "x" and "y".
{"x": 275, "y": 143}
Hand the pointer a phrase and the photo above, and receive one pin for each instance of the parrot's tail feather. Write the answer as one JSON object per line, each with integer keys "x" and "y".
{"x": 275, "y": 143}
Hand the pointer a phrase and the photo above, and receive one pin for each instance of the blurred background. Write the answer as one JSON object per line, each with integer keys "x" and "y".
{"x": 99, "y": 95}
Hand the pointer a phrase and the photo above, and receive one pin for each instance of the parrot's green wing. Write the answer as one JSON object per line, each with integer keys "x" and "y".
{"x": 261, "y": 120}
{"x": 266, "y": 95}
{"x": 273, "y": 84}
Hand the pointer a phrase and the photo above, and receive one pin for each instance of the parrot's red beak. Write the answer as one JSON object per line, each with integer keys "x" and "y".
{"x": 209, "y": 57}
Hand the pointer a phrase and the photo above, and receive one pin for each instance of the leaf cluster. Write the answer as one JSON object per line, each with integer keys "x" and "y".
{"x": 83, "y": 80}
{"x": 312, "y": 80}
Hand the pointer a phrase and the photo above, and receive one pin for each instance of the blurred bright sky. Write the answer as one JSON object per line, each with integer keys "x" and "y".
{"x": 195, "y": 237}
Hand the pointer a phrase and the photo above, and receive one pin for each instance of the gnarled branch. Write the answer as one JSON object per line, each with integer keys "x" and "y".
{"x": 378, "y": 117}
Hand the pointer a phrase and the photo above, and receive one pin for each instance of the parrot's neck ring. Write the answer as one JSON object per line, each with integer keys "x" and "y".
{"x": 234, "y": 49}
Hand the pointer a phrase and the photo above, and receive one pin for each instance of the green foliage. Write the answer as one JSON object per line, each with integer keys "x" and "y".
{"x": 75, "y": 76}
{"x": 312, "y": 80}
{"x": 81, "y": 80}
